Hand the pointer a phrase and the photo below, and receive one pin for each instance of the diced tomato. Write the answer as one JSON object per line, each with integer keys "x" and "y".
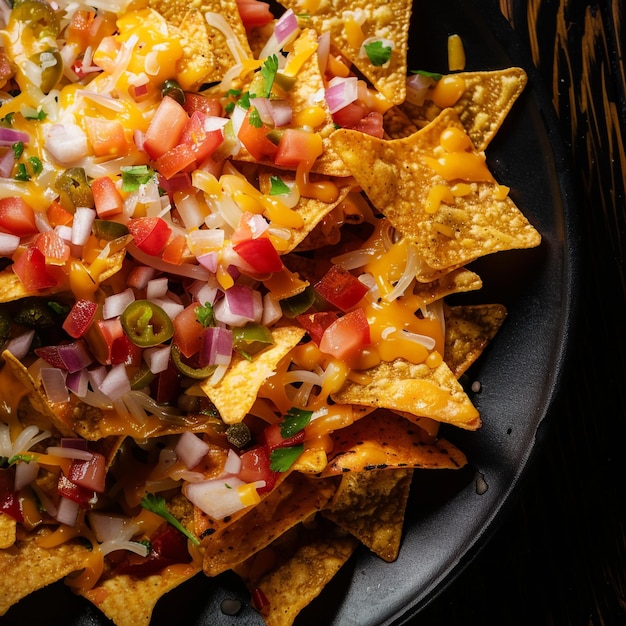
{"x": 260, "y": 254}
{"x": 165, "y": 128}
{"x": 371, "y": 124}
{"x": 56, "y": 251}
{"x": 255, "y": 465}
{"x": 297, "y": 145}
{"x": 87, "y": 29}
{"x": 17, "y": 217}
{"x": 345, "y": 336}
{"x": 30, "y": 267}
{"x": 123, "y": 350}
{"x": 106, "y": 197}
{"x": 107, "y": 137}
{"x": 197, "y": 102}
{"x": 89, "y": 474}
{"x": 255, "y": 140}
{"x": 173, "y": 252}
{"x": 273, "y": 439}
{"x": 51, "y": 355}
{"x": 10, "y": 504}
{"x": 340, "y": 288}
{"x": 165, "y": 388}
{"x": 316, "y": 323}
{"x": 57, "y": 215}
{"x": 168, "y": 546}
{"x": 254, "y": 13}
{"x": 203, "y": 142}
{"x": 188, "y": 331}
{"x": 179, "y": 158}
{"x": 80, "y": 318}
{"x": 350, "y": 115}
{"x": 178, "y": 182}
{"x": 81, "y": 495}
{"x": 150, "y": 233}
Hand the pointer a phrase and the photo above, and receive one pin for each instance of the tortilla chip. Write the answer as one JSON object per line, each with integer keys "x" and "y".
{"x": 457, "y": 281}
{"x": 398, "y": 175}
{"x": 482, "y": 107}
{"x": 8, "y": 531}
{"x": 26, "y": 566}
{"x": 388, "y": 20}
{"x": 469, "y": 329}
{"x": 291, "y": 502}
{"x": 371, "y": 507}
{"x": 417, "y": 389}
{"x": 129, "y": 601}
{"x": 384, "y": 440}
{"x": 247, "y": 377}
{"x": 293, "y": 570}
{"x": 398, "y": 124}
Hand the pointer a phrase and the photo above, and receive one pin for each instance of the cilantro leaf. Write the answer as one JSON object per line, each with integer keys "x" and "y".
{"x": 281, "y": 459}
{"x": 377, "y": 52}
{"x": 432, "y": 75}
{"x": 156, "y": 504}
{"x": 278, "y": 187}
{"x": 22, "y": 173}
{"x": 205, "y": 314}
{"x": 135, "y": 175}
{"x": 244, "y": 101}
{"x": 18, "y": 149}
{"x": 35, "y": 164}
{"x": 268, "y": 71}
{"x": 254, "y": 118}
{"x": 295, "y": 420}
{"x": 25, "y": 457}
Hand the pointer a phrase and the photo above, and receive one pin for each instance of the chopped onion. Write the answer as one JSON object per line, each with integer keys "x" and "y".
{"x": 190, "y": 449}
{"x": 286, "y": 28}
{"x": 205, "y": 240}
{"x": 115, "y": 533}
{"x": 67, "y": 511}
{"x": 66, "y": 143}
{"x": 417, "y": 87}
{"x": 70, "y": 453}
{"x": 53, "y": 381}
{"x": 323, "y": 50}
{"x": 78, "y": 382}
{"x": 25, "y": 473}
{"x": 191, "y": 209}
{"x": 140, "y": 276}
{"x": 157, "y": 288}
{"x": 20, "y": 345}
{"x": 183, "y": 269}
{"x": 115, "y": 383}
{"x": 9, "y": 136}
{"x": 341, "y": 92}
{"x": 216, "y": 346}
{"x": 157, "y": 358}
{"x": 203, "y": 292}
{"x": 217, "y": 498}
{"x": 282, "y": 113}
{"x": 75, "y": 356}
{"x": 115, "y": 304}
{"x": 233, "y": 463}
{"x": 7, "y": 161}
{"x": 272, "y": 311}
{"x": 28, "y": 438}
{"x": 169, "y": 305}
{"x": 264, "y": 108}
{"x": 81, "y": 226}
{"x": 239, "y": 306}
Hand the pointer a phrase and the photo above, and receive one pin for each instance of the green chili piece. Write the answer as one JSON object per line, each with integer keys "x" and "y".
{"x": 74, "y": 190}
{"x": 146, "y": 323}
{"x": 35, "y": 314}
{"x": 299, "y": 303}
{"x": 141, "y": 378}
{"x": 197, "y": 373}
{"x": 38, "y": 15}
{"x": 51, "y": 65}
{"x": 109, "y": 230}
{"x": 172, "y": 89}
{"x": 251, "y": 338}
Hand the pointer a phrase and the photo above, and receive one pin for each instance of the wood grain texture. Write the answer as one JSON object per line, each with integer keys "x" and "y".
{"x": 559, "y": 557}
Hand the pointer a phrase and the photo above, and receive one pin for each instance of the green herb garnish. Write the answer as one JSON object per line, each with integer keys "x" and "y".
{"x": 205, "y": 314}
{"x": 22, "y": 173}
{"x": 156, "y": 504}
{"x": 295, "y": 420}
{"x": 18, "y": 149}
{"x": 281, "y": 459}
{"x": 136, "y": 175}
{"x": 278, "y": 187}
{"x": 268, "y": 71}
{"x": 254, "y": 118}
{"x": 377, "y": 52}
{"x": 433, "y": 75}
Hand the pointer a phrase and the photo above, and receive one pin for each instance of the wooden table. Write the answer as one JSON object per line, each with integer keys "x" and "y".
{"x": 559, "y": 557}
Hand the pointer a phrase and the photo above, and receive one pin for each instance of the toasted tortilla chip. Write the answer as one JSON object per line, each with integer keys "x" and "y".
{"x": 294, "y": 500}
{"x": 382, "y": 20}
{"x": 384, "y": 440}
{"x": 485, "y": 101}
{"x": 398, "y": 177}
{"x": 27, "y": 566}
{"x": 246, "y": 377}
{"x": 292, "y": 571}
{"x": 371, "y": 506}
{"x": 417, "y": 389}
{"x": 8, "y": 531}
{"x": 398, "y": 124}
{"x": 469, "y": 329}
{"x": 457, "y": 281}
{"x": 129, "y": 601}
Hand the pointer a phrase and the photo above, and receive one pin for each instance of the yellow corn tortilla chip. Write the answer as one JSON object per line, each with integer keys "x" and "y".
{"x": 129, "y": 601}
{"x": 469, "y": 329}
{"x": 384, "y": 440}
{"x": 8, "y": 531}
{"x": 27, "y": 566}
{"x": 293, "y": 570}
{"x": 414, "y": 388}
{"x": 398, "y": 177}
{"x": 291, "y": 502}
{"x": 388, "y": 21}
{"x": 246, "y": 377}
{"x": 457, "y": 281}
{"x": 371, "y": 506}
{"x": 397, "y": 124}
{"x": 485, "y": 101}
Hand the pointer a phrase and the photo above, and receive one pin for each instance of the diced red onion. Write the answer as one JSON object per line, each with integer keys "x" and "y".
{"x": 264, "y": 108}
{"x": 67, "y": 511}
{"x": 53, "y": 381}
{"x": 417, "y": 86}
{"x": 66, "y": 143}
{"x": 157, "y": 358}
{"x": 9, "y": 136}
{"x": 209, "y": 260}
{"x": 217, "y": 498}
{"x": 20, "y": 345}
{"x": 216, "y": 346}
{"x": 78, "y": 383}
{"x": 115, "y": 304}
{"x": 271, "y": 310}
{"x": 25, "y": 474}
{"x": 115, "y": 383}
{"x": 286, "y": 28}
{"x": 282, "y": 113}
{"x": 239, "y": 306}
{"x": 97, "y": 374}
{"x": 341, "y": 92}
{"x": 7, "y": 161}
{"x": 81, "y": 226}
{"x": 323, "y": 50}
{"x": 140, "y": 276}
{"x": 75, "y": 356}
{"x": 183, "y": 269}
{"x": 233, "y": 463}
{"x": 70, "y": 453}
{"x": 190, "y": 449}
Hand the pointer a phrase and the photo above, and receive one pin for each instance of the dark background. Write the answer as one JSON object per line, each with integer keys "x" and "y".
{"x": 558, "y": 556}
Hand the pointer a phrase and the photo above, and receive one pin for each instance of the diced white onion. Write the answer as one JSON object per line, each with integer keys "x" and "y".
{"x": 217, "y": 498}
{"x": 190, "y": 449}
{"x": 157, "y": 358}
{"x": 81, "y": 226}
{"x": 53, "y": 381}
{"x": 67, "y": 511}
{"x": 115, "y": 304}
{"x": 25, "y": 473}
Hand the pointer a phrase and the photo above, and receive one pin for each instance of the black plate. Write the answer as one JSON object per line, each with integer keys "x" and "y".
{"x": 519, "y": 373}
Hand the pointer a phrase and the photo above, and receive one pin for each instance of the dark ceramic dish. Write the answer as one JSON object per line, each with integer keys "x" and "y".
{"x": 519, "y": 373}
